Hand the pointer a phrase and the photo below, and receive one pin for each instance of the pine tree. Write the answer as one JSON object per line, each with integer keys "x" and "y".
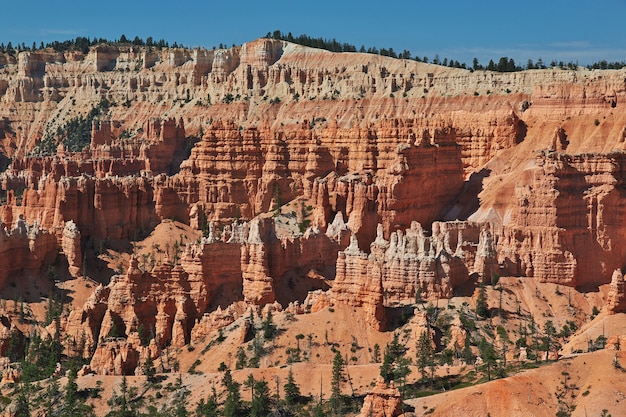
{"x": 180, "y": 399}
{"x": 337, "y": 380}
{"x": 72, "y": 406}
{"x": 386, "y": 369}
{"x": 207, "y": 408}
{"x": 250, "y": 384}
{"x": 144, "y": 336}
{"x": 120, "y": 403}
{"x": 376, "y": 353}
{"x": 260, "y": 406}
{"x": 504, "y": 338}
{"x": 467, "y": 354}
{"x": 292, "y": 391}
{"x": 233, "y": 406}
{"x": 269, "y": 328}
{"x": 394, "y": 352}
{"x": 52, "y": 392}
{"x": 482, "y": 308}
{"x": 418, "y": 294}
{"x": 401, "y": 371}
{"x": 241, "y": 358}
{"x": 148, "y": 369}
{"x": 22, "y": 407}
{"x": 425, "y": 354}
{"x": 319, "y": 411}
{"x": 488, "y": 355}
{"x": 548, "y": 341}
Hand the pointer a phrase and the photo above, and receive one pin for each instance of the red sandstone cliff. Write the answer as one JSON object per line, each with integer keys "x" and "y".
{"x": 374, "y": 176}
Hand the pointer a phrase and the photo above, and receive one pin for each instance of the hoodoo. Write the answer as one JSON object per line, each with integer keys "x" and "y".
{"x": 396, "y": 226}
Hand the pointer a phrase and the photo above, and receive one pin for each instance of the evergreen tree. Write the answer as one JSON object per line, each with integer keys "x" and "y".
{"x": 250, "y": 384}
{"x": 467, "y": 354}
{"x": 52, "y": 392}
{"x": 260, "y": 406}
{"x": 336, "y": 381}
{"x": 502, "y": 64}
{"x": 319, "y": 411}
{"x": 390, "y": 369}
{"x": 241, "y": 358}
{"x": 72, "y": 406}
{"x": 475, "y": 64}
{"x": 425, "y": 354}
{"x": 418, "y": 294}
{"x": 207, "y": 408}
{"x": 22, "y": 407}
{"x": 269, "y": 328}
{"x": 376, "y": 353}
{"x": 292, "y": 391}
{"x": 535, "y": 340}
{"x": 488, "y": 355}
{"x": 233, "y": 406}
{"x": 15, "y": 347}
{"x": 144, "y": 336}
{"x": 182, "y": 392}
{"x": 548, "y": 341}
{"x": 504, "y": 338}
{"x": 401, "y": 371}
{"x": 120, "y": 403}
{"x": 386, "y": 369}
{"x": 482, "y": 308}
{"x": 148, "y": 369}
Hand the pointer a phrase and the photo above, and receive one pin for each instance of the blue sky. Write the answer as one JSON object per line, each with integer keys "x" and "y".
{"x": 579, "y": 31}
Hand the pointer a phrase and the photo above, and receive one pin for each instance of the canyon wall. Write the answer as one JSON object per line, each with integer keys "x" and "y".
{"x": 375, "y": 180}
{"x": 567, "y": 219}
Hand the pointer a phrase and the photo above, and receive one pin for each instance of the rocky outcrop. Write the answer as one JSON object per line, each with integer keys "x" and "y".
{"x": 71, "y": 248}
{"x": 342, "y": 167}
{"x": 616, "y": 342}
{"x": 411, "y": 261}
{"x": 181, "y": 303}
{"x": 372, "y": 183}
{"x": 25, "y": 249}
{"x": 158, "y": 301}
{"x": 258, "y": 283}
{"x": 109, "y": 207}
{"x": 616, "y": 299}
{"x": 458, "y": 335}
{"x": 382, "y": 401}
{"x": 359, "y": 284}
{"x": 11, "y": 338}
{"x": 211, "y": 322}
{"x": 567, "y": 220}
{"x": 115, "y": 357}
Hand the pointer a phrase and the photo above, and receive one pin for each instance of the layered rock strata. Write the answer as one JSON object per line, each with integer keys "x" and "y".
{"x": 382, "y": 401}
{"x": 25, "y": 249}
{"x": 412, "y": 262}
{"x": 616, "y": 299}
{"x": 371, "y": 175}
{"x": 245, "y": 263}
{"x": 380, "y": 145}
{"x": 567, "y": 220}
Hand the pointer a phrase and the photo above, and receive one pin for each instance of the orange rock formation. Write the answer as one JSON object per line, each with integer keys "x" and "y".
{"x": 305, "y": 170}
{"x": 382, "y": 401}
